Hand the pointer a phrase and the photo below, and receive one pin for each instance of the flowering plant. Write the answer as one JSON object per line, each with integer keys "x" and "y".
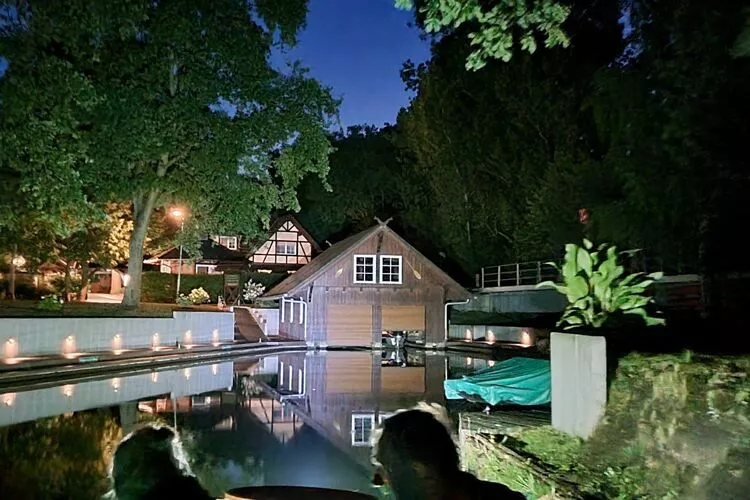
{"x": 183, "y": 300}
{"x": 199, "y": 296}
{"x": 252, "y": 291}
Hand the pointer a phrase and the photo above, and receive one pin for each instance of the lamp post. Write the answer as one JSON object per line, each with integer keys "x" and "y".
{"x": 179, "y": 214}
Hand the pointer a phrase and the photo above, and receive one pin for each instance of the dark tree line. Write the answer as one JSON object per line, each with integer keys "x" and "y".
{"x": 641, "y": 121}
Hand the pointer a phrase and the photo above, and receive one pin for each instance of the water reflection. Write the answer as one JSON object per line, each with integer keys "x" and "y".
{"x": 293, "y": 419}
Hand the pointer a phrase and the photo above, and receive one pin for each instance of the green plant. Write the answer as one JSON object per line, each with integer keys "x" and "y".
{"x": 50, "y": 303}
{"x": 596, "y": 288}
{"x": 198, "y": 296}
{"x": 183, "y": 301}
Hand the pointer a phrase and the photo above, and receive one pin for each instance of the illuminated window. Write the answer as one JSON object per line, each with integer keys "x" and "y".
{"x": 228, "y": 241}
{"x": 205, "y": 269}
{"x": 362, "y": 426}
{"x": 390, "y": 269}
{"x": 364, "y": 269}
{"x": 286, "y": 248}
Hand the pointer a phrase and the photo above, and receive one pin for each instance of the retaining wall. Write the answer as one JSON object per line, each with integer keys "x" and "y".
{"x": 28, "y": 337}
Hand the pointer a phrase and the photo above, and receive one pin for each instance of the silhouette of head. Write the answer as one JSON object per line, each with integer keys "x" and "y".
{"x": 414, "y": 454}
{"x": 149, "y": 463}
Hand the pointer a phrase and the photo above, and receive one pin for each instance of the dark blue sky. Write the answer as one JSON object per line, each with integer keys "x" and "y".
{"x": 356, "y": 47}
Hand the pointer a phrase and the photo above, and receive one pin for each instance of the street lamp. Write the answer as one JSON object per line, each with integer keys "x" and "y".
{"x": 179, "y": 214}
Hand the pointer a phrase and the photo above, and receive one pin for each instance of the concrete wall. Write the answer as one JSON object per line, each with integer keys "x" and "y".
{"x": 268, "y": 319}
{"x": 31, "y": 405}
{"x": 526, "y": 299}
{"x": 579, "y": 382}
{"x": 518, "y": 334}
{"x": 24, "y": 337}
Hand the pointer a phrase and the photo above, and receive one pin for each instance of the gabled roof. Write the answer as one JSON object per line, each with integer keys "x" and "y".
{"x": 210, "y": 250}
{"x": 330, "y": 256}
{"x": 280, "y": 221}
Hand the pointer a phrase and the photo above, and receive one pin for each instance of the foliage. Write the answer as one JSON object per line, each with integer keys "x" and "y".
{"x": 252, "y": 291}
{"x": 58, "y": 457}
{"x": 674, "y": 427}
{"x": 499, "y": 26}
{"x": 162, "y": 287}
{"x": 597, "y": 289}
{"x": 159, "y": 287}
{"x": 183, "y": 300}
{"x": 165, "y": 102}
{"x": 50, "y": 303}
{"x": 212, "y": 284}
{"x": 198, "y": 296}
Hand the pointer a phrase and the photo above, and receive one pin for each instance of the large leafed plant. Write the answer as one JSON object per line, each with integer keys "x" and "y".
{"x": 597, "y": 289}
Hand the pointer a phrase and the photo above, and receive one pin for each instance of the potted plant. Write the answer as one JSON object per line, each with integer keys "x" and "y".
{"x": 600, "y": 295}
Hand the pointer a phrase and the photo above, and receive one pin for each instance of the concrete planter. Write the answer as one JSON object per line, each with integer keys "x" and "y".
{"x": 579, "y": 382}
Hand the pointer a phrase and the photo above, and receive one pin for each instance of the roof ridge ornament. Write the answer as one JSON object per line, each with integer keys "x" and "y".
{"x": 381, "y": 222}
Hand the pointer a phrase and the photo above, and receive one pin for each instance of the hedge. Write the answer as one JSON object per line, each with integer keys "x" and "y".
{"x": 162, "y": 287}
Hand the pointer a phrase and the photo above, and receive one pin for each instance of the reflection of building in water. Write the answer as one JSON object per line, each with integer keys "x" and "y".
{"x": 344, "y": 395}
{"x": 58, "y": 400}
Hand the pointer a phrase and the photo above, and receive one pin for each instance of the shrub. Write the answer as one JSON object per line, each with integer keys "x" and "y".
{"x": 198, "y": 296}
{"x": 50, "y": 303}
{"x": 213, "y": 284}
{"x": 158, "y": 287}
{"x": 252, "y": 291}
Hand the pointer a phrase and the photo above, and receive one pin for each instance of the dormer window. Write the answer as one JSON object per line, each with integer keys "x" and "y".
{"x": 390, "y": 269}
{"x": 364, "y": 269}
{"x": 228, "y": 241}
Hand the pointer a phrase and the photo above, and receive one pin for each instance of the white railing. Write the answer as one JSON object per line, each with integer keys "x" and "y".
{"x": 518, "y": 274}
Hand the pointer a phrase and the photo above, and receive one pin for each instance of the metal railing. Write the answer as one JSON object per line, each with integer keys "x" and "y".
{"x": 518, "y": 274}
{"x": 531, "y": 273}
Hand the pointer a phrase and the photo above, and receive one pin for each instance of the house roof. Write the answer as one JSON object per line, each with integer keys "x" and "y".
{"x": 330, "y": 256}
{"x": 279, "y": 222}
{"x": 210, "y": 250}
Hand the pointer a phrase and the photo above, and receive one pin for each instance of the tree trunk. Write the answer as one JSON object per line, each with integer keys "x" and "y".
{"x": 85, "y": 278}
{"x": 66, "y": 282}
{"x": 13, "y": 273}
{"x": 143, "y": 205}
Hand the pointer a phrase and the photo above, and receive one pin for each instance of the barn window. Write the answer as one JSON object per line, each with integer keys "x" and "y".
{"x": 205, "y": 269}
{"x": 364, "y": 269}
{"x": 362, "y": 426}
{"x": 165, "y": 268}
{"x": 390, "y": 269}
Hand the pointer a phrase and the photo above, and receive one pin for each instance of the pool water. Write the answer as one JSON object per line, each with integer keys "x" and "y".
{"x": 289, "y": 419}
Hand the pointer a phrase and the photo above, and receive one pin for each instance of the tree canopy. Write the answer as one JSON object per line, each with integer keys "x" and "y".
{"x": 156, "y": 103}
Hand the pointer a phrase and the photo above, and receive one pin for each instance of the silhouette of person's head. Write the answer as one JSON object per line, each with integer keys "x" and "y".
{"x": 150, "y": 463}
{"x": 414, "y": 454}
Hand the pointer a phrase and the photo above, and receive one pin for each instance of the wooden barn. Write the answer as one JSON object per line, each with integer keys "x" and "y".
{"x": 371, "y": 283}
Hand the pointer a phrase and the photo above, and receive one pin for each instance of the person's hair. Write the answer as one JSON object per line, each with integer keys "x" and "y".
{"x": 149, "y": 460}
{"x": 415, "y": 449}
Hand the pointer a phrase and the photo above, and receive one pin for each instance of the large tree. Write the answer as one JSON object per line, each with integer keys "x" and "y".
{"x": 186, "y": 107}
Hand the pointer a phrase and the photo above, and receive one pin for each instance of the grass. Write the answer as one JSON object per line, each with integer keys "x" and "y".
{"x": 674, "y": 427}
{"x": 29, "y": 309}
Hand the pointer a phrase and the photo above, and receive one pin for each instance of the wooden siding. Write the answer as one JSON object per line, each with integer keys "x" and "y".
{"x": 400, "y": 318}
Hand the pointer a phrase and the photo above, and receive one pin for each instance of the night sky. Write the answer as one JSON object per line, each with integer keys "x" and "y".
{"x": 357, "y": 47}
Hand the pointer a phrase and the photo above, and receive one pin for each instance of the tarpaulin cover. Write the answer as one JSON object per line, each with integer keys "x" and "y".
{"x": 521, "y": 381}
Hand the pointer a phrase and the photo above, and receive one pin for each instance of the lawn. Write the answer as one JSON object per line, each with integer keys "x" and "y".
{"x": 29, "y": 308}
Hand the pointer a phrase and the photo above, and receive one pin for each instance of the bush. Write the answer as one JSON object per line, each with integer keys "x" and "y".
{"x": 266, "y": 279}
{"x": 158, "y": 287}
{"x": 198, "y": 296}
{"x": 211, "y": 283}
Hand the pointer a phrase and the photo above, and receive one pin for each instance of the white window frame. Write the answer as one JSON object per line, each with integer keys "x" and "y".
{"x": 358, "y": 441}
{"x": 233, "y": 239}
{"x": 210, "y": 267}
{"x": 294, "y": 247}
{"x": 400, "y": 270}
{"x": 165, "y": 268}
{"x": 374, "y": 268}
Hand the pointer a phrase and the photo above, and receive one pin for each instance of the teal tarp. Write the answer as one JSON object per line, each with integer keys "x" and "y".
{"x": 521, "y": 381}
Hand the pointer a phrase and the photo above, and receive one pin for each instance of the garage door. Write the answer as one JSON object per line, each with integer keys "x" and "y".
{"x": 349, "y": 325}
{"x": 399, "y": 318}
{"x": 348, "y": 372}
